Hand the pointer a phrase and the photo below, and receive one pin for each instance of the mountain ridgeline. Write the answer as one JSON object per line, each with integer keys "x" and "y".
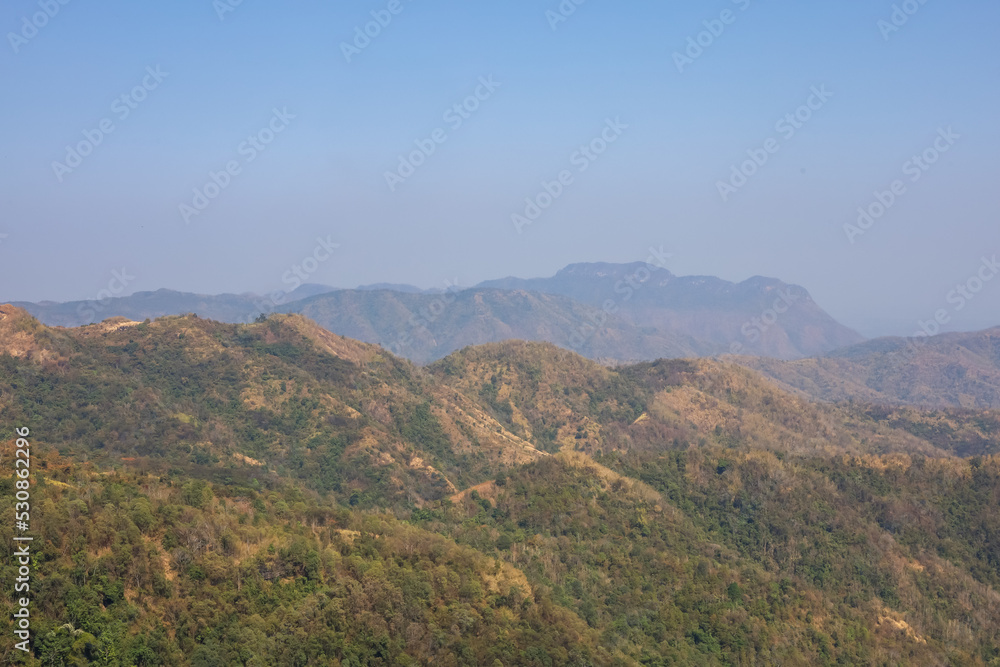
{"x": 948, "y": 370}
{"x": 608, "y": 312}
{"x": 272, "y": 493}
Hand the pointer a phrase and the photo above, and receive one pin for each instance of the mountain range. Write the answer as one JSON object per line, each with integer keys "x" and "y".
{"x": 209, "y": 493}
{"x": 608, "y": 312}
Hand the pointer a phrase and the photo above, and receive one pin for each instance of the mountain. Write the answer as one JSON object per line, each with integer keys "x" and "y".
{"x": 762, "y": 316}
{"x": 148, "y": 305}
{"x": 422, "y": 325}
{"x": 953, "y": 369}
{"x": 243, "y": 392}
{"x": 272, "y": 493}
{"x": 427, "y": 327}
{"x": 611, "y": 312}
{"x": 303, "y": 291}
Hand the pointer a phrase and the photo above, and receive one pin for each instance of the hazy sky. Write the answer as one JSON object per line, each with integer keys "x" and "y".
{"x": 308, "y": 129}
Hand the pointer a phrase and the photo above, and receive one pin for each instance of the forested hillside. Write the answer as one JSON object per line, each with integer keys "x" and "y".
{"x": 958, "y": 370}
{"x": 273, "y": 494}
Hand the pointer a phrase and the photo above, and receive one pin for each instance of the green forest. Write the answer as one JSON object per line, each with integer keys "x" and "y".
{"x": 273, "y": 494}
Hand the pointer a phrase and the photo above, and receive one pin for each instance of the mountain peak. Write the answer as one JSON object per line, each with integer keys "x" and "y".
{"x": 21, "y": 335}
{"x": 12, "y": 313}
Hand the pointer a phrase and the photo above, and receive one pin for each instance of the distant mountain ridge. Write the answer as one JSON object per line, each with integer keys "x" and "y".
{"x": 393, "y": 287}
{"x": 426, "y": 328}
{"x": 609, "y": 312}
{"x": 230, "y": 308}
{"x": 759, "y": 315}
{"x": 948, "y": 370}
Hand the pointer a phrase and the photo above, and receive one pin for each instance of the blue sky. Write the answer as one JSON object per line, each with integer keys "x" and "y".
{"x": 224, "y": 73}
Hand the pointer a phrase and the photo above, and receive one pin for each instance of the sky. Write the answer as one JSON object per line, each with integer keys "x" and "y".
{"x": 210, "y": 146}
